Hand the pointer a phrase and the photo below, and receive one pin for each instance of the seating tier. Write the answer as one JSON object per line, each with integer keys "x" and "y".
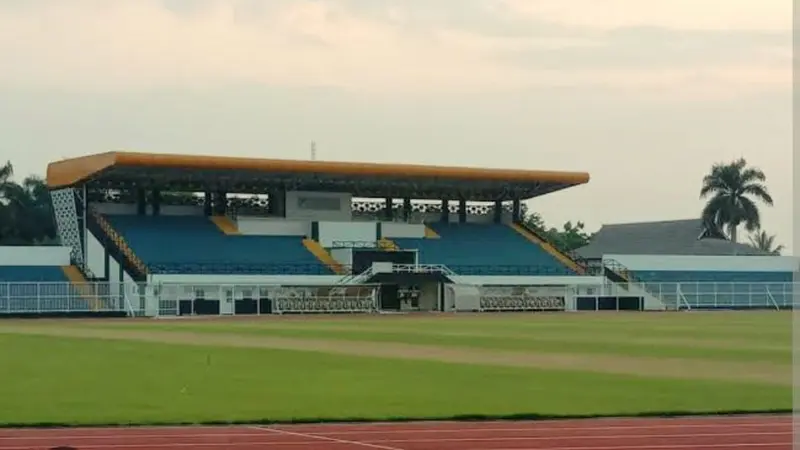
{"x": 484, "y": 249}
{"x": 194, "y": 245}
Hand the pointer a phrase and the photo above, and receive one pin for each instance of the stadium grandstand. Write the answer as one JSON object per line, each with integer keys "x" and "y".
{"x": 168, "y": 235}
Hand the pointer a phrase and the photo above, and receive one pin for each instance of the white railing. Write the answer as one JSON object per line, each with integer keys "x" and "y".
{"x": 724, "y": 295}
{"x": 356, "y": 278}
{"x": 174, "y": 299}
{"x": 55, "y": 298}
{"x": 421, "y": 268}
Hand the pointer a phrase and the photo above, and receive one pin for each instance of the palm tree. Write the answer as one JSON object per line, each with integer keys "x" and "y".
{"x": 732, "y": 191}
{"x": 765, "y": 242}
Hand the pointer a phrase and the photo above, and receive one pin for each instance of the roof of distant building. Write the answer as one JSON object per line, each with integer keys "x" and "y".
{"x": 689, "y": 237}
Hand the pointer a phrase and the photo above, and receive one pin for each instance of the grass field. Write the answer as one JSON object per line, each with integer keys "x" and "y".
{"x": 335, "y": 368}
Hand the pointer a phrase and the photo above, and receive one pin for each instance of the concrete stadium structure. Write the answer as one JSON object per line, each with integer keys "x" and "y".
{"x": 168, "y": 235}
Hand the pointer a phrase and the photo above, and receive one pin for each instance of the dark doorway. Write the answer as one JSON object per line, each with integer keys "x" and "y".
{"x": 390, "y": 300}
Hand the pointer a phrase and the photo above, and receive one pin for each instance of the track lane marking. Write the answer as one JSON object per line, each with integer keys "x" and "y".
{"x": 327, "y": 439}
{"x": 380, "y": 444}
{"x": 786, "y": 445}
{"x": 258, "y": 431}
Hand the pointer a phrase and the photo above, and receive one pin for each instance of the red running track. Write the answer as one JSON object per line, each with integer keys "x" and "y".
{"x": 713, "y": 433}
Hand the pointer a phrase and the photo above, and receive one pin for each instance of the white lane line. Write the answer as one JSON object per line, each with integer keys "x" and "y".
{"x": 380, "y": 445}
{"x": 383, "y": 442}
{"x": 326, "y": 439}
{"x": 189, "y": 434}
{"x": 323, "y": 432}
{"x": 777, "y": 445}
{"x": 709, "y": 419}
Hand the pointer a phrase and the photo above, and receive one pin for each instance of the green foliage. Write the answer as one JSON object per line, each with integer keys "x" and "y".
{"x": 732, "y": 191}
{"x": 765, "y": 242}
{"x": 26, "y": 214}
{"x": 569, "y": 238}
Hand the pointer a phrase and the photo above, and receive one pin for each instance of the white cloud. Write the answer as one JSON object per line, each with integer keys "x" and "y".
{"x": 723, "y": 15}
{"x": 141, "y": 43}
{"x": 92, "y": 44}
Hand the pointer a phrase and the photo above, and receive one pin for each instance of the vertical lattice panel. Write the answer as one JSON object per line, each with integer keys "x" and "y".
{"x": 66, "y": 214}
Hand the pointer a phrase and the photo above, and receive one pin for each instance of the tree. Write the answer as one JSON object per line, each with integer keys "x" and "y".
{"x": 26, "y": 215}
{"x": 535, "y": 222}
{"x": 732, "y": 191}
{"x": 569, "y": 238}
{"x": 6, "y": 172}
{"x": 765, "y": 242}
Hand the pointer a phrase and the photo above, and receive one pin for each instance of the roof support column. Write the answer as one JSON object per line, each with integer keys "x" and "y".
{"x": 277, "y": 203}
{"x": 141, "y": 202}
{"x": 498, "y": 211}
{"x": 462, "y": 211}
{"x": 155, "y": 199}
{"x": 407, "y": 209}
{"x": 388, "y": 209}
{"x": 220, "y": 203}
{"x": 516, "y": 211}
{"x": 208, "y": 204}
{"x": 445, "y": 211}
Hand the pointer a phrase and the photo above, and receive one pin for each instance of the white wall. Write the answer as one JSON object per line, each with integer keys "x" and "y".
{"x": 261, "y": 226}
{"x": 471, "y": 218}
{"x": 34, "y": 256}
{"x": 96, "y": 256}
{"x": 343, "y": 255}
{"x": 96, "y": 259}
{"x": 329, "y": 232}
{"x": 707, "y": 263}
{"x": 315, "y": 206}
{"x": 122, "y": 209}
{"x": 391, "y": 230}
{"x": 289, "y": 280}
{"x": 115, "y": 208}
{"x": 579, "y": 281}
{"x": 179, "y": 210}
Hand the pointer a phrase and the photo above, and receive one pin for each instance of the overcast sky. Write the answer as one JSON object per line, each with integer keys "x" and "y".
{"x": 643, "y": 94}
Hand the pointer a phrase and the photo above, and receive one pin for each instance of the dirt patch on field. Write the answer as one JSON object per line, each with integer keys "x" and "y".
{"x": 532, "y": 335}
{"x": 654, "y": 367}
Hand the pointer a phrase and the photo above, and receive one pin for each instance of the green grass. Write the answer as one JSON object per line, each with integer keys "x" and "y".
{"x": 749, "y": 337}
{"x": 83, "y": 381}
{"x": 549, "y": 343}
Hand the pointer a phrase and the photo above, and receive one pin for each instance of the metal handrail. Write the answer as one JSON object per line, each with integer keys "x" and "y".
{"x": 123, "y": 246}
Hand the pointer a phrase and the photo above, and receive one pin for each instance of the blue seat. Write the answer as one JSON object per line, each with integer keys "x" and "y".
{"x": 484, "y": 249}
{"x": 720, "y": 289}
{"x": 194, "y": 245}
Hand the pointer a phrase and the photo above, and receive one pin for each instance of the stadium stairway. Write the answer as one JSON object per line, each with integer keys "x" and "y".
{"x": 226, "y": 225}
{"x": 116, "y": 244}
{"x": 388, "y": 245}
{"x": 430, "y": 233}
{"x": 535, "y": 238}
{"x": 82, "y": 287}
{"x": 324, "y": 256}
